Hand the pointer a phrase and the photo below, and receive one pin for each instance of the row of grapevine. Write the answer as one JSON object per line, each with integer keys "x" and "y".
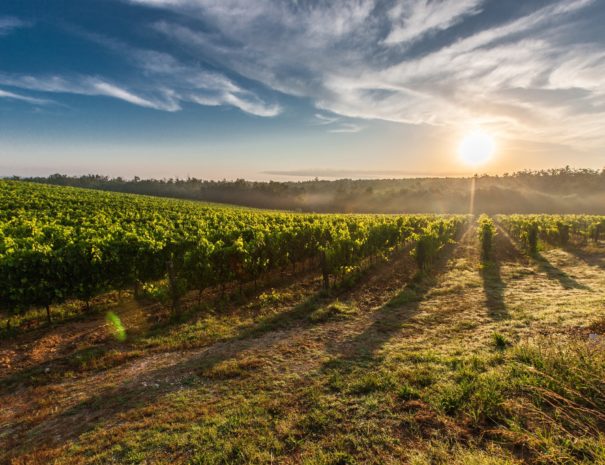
{"x": 559, "y": 230}
{"x": 486, "y": 230}
{"x": 63, "y": 243}
{"x": 433, "y": 237}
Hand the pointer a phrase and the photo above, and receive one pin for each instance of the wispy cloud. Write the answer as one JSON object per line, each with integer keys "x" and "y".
{"x": 110, "y": 90}
{"x": 525, "y": 71}
{"x": 23, "y": 98}
{"x": 412, "y": 20}
{"x": 347, "y": 57}
{"x": 322, "y": 119}
{"x": 87, "y": 85}
{"x": 163, "y": 82}
{"x": 347, "y": 128}
{"x": 463, "y": 81}
{"x": 184, "y": 84}
{"x": 9, "y": 23}
{"x": 336, "y": 125}
{"x": 194, "y": 84}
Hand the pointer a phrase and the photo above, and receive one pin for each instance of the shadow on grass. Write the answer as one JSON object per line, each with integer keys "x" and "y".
{"x": 50, "y": 371}
{"x": 391, "y": 317}
{"x": 511, "y": 251}
{"x": 153, "y": 384}
{"x": 590, "y": 258}
{"x": 171, "y": 374}
{"x": 493, "y": 287}
{"x": 556, "y": 274}
{"x": 356, "y": 368}
{"x": 504, "y": 250}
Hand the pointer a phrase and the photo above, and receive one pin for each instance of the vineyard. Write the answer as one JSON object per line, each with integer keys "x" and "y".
{"x": 556, "y": 230}
{"x": 60, "y": 243}
{"x": 221, "y": 335}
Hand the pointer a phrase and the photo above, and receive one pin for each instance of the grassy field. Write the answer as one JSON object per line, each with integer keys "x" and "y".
{"x": 467, "y": 363}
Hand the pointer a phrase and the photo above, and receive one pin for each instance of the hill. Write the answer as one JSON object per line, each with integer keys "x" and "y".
{"x": 563, "y": 190}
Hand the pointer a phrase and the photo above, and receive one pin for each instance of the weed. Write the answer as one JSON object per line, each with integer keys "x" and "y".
{"x": 371, "y": 382}
{"x": 500, "y": 341}
{"x": 334, "y": 311}
{"x": 270, "y": 297}
{"x": 407, "y": 392}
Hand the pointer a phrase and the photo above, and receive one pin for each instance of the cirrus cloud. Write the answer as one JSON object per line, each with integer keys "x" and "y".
{"x": 9, "y": 24}
{"x": 347, "y": 57}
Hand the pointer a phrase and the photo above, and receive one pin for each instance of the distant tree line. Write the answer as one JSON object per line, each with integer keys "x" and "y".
{"x": 563, "y": 190}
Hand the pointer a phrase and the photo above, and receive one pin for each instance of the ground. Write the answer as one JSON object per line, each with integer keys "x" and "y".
{"x": 468, "y": 362}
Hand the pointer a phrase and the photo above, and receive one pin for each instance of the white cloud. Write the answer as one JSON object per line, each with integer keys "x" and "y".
{"x": 87, "y": 85}
{"x": 346, "y": 128}
{"x": 163, "y": 83}
{"x": 339, "y": 56}
{"x": 319, "y": 22}
{"x": 412, "y": 20}
{"x": 251, "y": 105}
{"x": 110, "y": 90}
{"x": 335, "y": 124}
{"x": 9, "y": 23}
{"x": 24, "y": 98}
{"x": 186, "y": 84}
{"x": 352, "y": 59}
{"x": 201, "y": 86}
{"x": 176, "y": 81}
{"x": 326, "y": 119}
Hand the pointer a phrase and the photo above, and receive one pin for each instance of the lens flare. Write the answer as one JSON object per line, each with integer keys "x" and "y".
{"x": 116, "y": 326}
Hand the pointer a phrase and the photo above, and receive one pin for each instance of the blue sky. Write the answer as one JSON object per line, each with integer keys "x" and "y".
{"x": 275, "y": 89}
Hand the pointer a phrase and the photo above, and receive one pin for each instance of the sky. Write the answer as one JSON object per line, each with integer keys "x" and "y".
{"x": 294, "y": 89}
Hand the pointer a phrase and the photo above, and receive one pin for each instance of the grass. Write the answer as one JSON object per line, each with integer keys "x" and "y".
{"x": 333, "y": 311}
{"x": 500, "y": 341}
{"x": 391, "y": 370}
{"x": 35, "y": 318}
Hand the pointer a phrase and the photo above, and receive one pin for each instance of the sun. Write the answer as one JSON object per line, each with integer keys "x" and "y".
{"x": 476, "y": 148}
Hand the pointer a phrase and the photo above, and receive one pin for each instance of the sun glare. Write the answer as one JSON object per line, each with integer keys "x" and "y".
{"x": 476, "y": 148}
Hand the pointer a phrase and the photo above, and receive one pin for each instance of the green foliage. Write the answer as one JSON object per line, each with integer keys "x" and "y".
{"x": 59, "y": 243}
{"x": 500, "y": 341}
{"x": 407, "y": 392}
{"x": 558, "y": 230}
{"x": 431, "y": 238}
{"x": 334, "y": 311}
{"x": 486, "y": 231}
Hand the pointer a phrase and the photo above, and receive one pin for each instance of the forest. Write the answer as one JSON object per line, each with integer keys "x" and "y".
{"x": 564, "y": 190}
